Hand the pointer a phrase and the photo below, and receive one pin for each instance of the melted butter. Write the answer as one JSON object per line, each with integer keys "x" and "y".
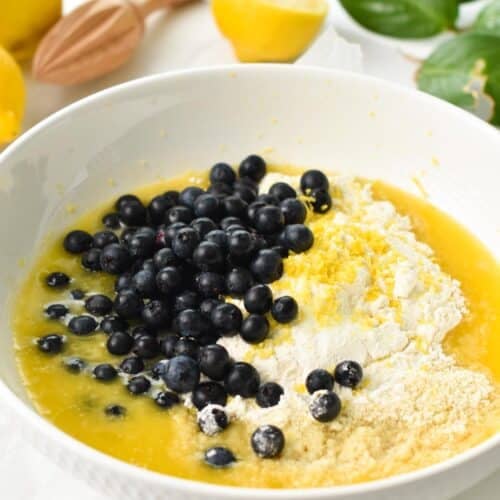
{"x": 168, "y": 441}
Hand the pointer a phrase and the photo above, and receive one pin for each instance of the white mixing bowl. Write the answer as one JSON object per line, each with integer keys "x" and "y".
{"x": 165, "y": 124}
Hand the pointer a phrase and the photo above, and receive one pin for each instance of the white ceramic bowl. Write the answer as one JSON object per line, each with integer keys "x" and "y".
{"x": 165, "y": 124}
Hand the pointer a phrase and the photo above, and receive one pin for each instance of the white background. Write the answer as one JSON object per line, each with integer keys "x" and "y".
{"x": 181, "y": 39}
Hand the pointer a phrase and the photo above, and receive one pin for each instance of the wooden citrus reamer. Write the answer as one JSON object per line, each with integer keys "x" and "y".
{"x": 93, "y": 40}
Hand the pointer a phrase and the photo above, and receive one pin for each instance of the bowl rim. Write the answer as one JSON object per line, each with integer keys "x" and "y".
{"x": 99, "y": 458}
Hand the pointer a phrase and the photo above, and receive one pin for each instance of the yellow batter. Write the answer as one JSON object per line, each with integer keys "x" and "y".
{"x": 169, "y": 441}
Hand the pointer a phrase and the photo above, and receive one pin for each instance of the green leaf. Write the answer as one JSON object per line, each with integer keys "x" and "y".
{"x": 465, "y": 71}
{"x": 404, "y": 18}
{"x": 488, "y": 20}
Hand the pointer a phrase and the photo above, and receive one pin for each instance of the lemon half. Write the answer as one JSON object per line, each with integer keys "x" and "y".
{"x": 12, "y": 97}
{"x": 269, "y": 30}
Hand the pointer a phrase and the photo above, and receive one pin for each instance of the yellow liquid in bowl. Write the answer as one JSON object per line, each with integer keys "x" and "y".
{"x": 169, "y": 441}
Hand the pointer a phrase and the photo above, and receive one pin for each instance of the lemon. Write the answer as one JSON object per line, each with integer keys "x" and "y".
{"x": 12, "y": 96}
{"x": 24, "y": 22}
{"x": 269, "y": 30}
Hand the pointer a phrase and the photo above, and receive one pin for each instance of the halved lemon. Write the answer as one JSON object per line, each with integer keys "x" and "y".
{"x": 269, "y": 30}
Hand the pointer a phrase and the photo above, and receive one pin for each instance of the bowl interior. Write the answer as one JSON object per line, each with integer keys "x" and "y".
{"x": 164, "y": 125}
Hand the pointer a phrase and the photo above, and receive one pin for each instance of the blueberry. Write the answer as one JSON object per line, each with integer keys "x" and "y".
{"x": 282, "y": 191}
{"x": 252, "y": 210}
{"x": 148, "y": 265}
{"x": 284, "y": 309}
{"x": 254, "y": 328}
{"x": 123, "y": 282}
{"x": 222, "y": 172}
{"x": 146, "y": 347}
{"x": 188, "y": 196}
{"x": 124, "y": 199}
{"x": 132, "y": 365}
{"x": 246, "y": 193}
{"x": 268, "y": 199}
{"x": 293, "y": 210}
{"x": 190, "y": 323}
{"x": 240, "y": 243}
{"x": 219, "y": 237}
{"x": 56, "y": 311}
{"x": 132, "y": 212}
{"x": 269, "y": 394}
{"x": 52, "y": 343}
{"x": 208, "y": 393}
{"x": 348, "y": 374}
{"x": 269, "y": 219}
{"x": 208, "y": 305}
{"x": 167, "y": 345}
{"x": 91, "y": 259}
{"x": 325, "y": 406}
{"x": 214, "y": 361}
{"x": 182, "y": 374}
{"x": 219, "y": 457}
{"x": 111, "y": 220}
{"x": 169, "y": 279}
{"x": 212, "y": 419}
{"x": 128, "y": 304}
{"x": 203, "y": 225}
{"x": 229, "y": 221}
{"x": 186, "y": 300}
{"x": 138, "y": 385}
{"x": 165, "y": 257}
{"x": 77, "y": 241}
{"x": 115, "y": 411}
{"x": 178, "y": 214}
{"x": 127, "y": 234}
{"x": 57, "y": 279}
{"x": 242, "y": 380}
{"x": 208, "y": 256}
{"x": 74, "y": 364}
{"x": 208, "y": 205}
{"x": 267, "y": 266}
{"x": 140, "y": 330}
{"x": 115, "y": 259}
{"x": 313, "y": 179}
{"x": 210, "y": 284}
{"x": 185, "y": 242}
{"x": 167, "y": 399}
{"x": 254, "y": 167}
{"x": 144, "y": 283}
{"x": 82, "y": 325}
{"x": 104, "y": 238}
{"x": 105, "y": 372}
{"x": 298, "y": 238}
{"x": 187, "y": 346}
{"x": 238, "y": 281}
{"x": 226, "y": 318}
{"x": 281, "y": 250}
{"x": 319, "y": 380}
{"x": 156, "y": 314}
{"x": 77, "y": 294}
{"x": 322, "y": 201}
{"x": 165, "y": 233}
{"x": 158, "y": 369}
{"x": 119, "y": 343}
{"x": 159, "y": 205}
{"x": 268, "y": 441}
{"x": 220, "y": 189}
{"x": 98, "y": 304}
{"x": 234, "y": 206}
{"x": 141, "y": 246}
{"x": 111, "y": 324}
{"x": 258, "y": 299}
{"x": 209, "y": 338}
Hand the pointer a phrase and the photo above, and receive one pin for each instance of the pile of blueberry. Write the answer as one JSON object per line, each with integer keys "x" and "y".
{"x": 174, "y": 261}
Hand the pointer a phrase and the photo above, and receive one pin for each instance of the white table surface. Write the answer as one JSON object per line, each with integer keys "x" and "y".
{"x": 181, "y": 39}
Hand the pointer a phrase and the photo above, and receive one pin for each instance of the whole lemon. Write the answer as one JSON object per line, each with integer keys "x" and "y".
{"x": 269, "y": 30}
{"x": 24, "y": 22}
{"x": 12, "y": 97}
